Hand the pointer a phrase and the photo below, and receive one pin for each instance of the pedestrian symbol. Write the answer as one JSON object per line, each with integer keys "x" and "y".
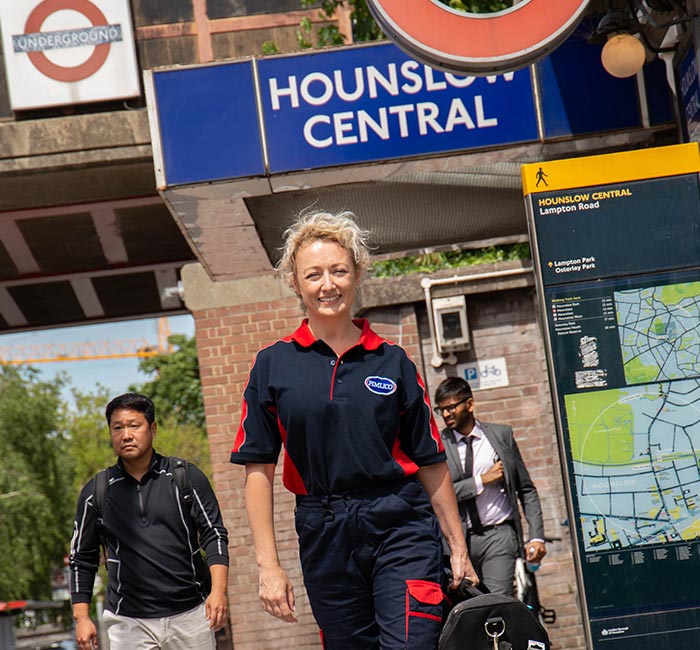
{"x": 540, "y": 178}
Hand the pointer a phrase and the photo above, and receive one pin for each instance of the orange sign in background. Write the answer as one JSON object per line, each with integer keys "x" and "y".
{"x": 476, "y": 44}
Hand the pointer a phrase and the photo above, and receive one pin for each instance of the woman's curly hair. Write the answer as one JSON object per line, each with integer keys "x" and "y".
{"x": 340, "y": 228}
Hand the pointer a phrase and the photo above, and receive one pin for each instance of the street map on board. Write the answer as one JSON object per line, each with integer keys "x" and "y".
{"x": 635, "y": 460}
{"x": 659, "y": 331}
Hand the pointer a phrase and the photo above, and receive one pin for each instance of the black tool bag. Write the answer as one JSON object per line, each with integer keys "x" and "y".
{"x": 492, "y": 622}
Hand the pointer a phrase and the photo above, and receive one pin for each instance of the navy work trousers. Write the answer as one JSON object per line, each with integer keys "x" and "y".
{"x": 372, "y": 567}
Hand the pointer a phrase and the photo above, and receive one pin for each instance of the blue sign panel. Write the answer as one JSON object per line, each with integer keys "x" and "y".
{"x": 374, "y": 103}
{"x": 208, "y": 123}
{"x": 689, "y": 96}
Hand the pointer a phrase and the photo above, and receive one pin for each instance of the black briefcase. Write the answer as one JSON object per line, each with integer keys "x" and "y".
{"x": 492, "y": 621}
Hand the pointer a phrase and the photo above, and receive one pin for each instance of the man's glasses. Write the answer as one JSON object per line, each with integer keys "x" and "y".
{"x": 450, "y": 408}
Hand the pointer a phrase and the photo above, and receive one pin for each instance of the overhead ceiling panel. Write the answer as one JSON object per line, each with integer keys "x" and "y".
{"x": 63, "y": 243}
{"x": 151, "y": 235}
{"x": 128, "y": 294}
{"x": 7, "y": 266}
{"x": 417, "y": 211}
{"x": 47, "y": 303}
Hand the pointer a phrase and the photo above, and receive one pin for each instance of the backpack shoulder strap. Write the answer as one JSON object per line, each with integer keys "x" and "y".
{"x": 181, "y": 474}
{"x": 99, "y": 499}
{"x": 100, "y": 495}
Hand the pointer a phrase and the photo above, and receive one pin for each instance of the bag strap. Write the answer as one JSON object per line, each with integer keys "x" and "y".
{"x": 99, "y": 499}
{"x": 181, "y": 473}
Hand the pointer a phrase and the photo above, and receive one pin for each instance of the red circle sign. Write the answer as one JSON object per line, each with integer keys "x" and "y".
{"x": 67, "y": 73}
{"x": 468, "y": 43}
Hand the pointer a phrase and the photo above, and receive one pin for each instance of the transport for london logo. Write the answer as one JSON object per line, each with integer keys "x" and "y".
{"x": 478, "y": 44}
{"x": 34, "y": 42}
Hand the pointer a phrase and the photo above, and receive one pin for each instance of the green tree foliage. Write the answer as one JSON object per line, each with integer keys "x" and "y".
{"x": 479, "y": 6}
{"x": 185, "y": 440}
{"x": 176, "y": 389}
{"x": 364, "y": 27}
{"x": 89, "y": 445}
{"x": 35, "y": 477}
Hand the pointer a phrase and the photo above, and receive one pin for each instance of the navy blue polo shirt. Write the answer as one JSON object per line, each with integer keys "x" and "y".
{"x": 345, "y": 422}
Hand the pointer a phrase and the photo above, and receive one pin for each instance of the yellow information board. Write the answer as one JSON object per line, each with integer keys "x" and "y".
{"x": 616, "y": 245}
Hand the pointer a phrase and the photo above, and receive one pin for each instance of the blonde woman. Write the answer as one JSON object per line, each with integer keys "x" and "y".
{"x": 362, "y": 453}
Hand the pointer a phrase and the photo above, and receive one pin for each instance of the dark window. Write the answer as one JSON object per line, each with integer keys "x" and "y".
{"x": 451, "y": 325}
{"x": 229, "y": 8}
{"x": 162, "y": 12}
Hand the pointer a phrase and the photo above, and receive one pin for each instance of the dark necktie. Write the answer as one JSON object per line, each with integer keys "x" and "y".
{"x": 469, "y": 471}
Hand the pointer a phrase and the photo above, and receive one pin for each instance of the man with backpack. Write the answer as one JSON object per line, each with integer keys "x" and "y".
{"x": 152, "y": 514}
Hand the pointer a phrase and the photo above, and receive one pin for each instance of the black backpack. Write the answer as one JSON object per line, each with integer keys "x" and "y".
{"x": 181, "y": 473}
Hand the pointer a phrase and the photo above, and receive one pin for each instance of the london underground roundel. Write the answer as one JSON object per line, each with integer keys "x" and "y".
{"x": 35, "y": 21}
{"x": 474, "y": 44}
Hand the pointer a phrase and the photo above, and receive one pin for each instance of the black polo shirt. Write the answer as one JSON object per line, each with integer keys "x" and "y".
{"x": 345, "y": 422}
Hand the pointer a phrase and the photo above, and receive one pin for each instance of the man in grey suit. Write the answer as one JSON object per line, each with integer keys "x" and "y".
{"x": 489, "y": 478}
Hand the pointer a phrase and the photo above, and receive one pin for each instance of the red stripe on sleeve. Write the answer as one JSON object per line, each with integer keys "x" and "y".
{"x": 408, "y": 466}
{"x": 240, "y": 435}
{"x": 291, "y": 478}
{"x": 434, "y": 431}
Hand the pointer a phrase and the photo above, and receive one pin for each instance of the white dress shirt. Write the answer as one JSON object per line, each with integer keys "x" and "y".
{"x": 492, "y": 501}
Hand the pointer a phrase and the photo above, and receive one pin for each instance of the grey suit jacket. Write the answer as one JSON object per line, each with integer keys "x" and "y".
{"x": 518, "y": 483}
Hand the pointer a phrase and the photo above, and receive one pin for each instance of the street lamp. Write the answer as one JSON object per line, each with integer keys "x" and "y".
{"x": 632, "y": 28}
{"x": 623, "y": 55}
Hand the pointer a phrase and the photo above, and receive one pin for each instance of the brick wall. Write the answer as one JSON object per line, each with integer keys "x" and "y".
{"x": 501, "y": 323}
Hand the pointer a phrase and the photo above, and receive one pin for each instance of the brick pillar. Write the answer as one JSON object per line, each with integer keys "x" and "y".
{"x": 233, "y": 320}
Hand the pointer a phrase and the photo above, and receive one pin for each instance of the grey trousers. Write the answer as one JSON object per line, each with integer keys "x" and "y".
{"x": 186, "y": 631}
{"x": 493, "y": 554}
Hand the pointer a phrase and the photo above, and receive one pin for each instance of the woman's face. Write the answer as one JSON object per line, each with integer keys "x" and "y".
{"x": 326, "y": 279}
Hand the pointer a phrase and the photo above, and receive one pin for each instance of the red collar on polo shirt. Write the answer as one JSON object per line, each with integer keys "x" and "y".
{"x": 368, "y": 339}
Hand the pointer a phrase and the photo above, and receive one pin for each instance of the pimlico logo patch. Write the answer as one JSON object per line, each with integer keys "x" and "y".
{"x": 380, "y": 385}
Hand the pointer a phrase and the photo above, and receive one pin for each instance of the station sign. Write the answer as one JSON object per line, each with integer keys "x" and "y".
{"x": 376, "y": 103}
{"x": 343, "y": 106}
{"x": 60, "y": 52}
